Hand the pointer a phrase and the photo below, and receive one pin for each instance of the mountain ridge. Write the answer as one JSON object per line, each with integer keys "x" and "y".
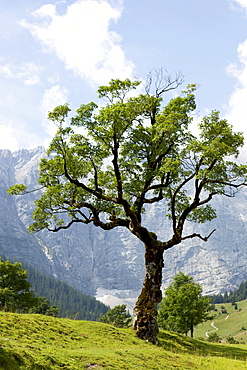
{"x": 112, "y": 263}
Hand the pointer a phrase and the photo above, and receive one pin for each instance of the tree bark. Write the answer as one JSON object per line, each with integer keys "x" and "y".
{"x": 192, "y": 331}
{"x": 145, "y": 311}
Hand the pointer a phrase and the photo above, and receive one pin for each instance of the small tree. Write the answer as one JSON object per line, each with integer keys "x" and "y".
{"x": 213, "y": 337}
{"x": 231, "y": 340}
{"x": 15, "y": 293}
{"x": 183, "y": 306}
{"x": 112, "y": 161}
{"x": 117, "y": 316}
{"x": 43, "y": 307}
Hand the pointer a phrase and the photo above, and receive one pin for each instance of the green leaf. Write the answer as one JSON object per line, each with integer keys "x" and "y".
{"x": 16, "y": 189}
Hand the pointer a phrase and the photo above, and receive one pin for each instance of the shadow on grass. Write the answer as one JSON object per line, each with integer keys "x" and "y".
{"x": 179, "y": 343}
{"x": 10, "y": 360}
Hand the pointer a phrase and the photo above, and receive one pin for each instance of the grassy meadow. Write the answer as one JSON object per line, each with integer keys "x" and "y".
{"x": 232, "y": 323}
{"x": 46, "y": 343}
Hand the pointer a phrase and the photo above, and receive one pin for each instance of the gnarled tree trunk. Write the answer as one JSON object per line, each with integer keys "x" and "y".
{"x": 192, "y": 331}
{"x": 145, "y": 311}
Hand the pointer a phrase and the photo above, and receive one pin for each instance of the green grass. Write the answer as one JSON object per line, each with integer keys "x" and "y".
{"x": 233, "y": 323}
{"x": 46, "y": 343}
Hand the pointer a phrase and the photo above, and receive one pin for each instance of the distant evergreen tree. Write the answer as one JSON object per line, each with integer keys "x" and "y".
{"x": 238, "y": 294}
{"x": 218, "y": 298}
{"x": 70, "y": 302}
{"x": 225, "y": 297}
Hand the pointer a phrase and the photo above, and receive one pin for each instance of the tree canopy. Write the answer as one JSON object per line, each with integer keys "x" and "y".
{"x": 117, "y": 316}
{"x": 106, "y": 163}
{"x": 183, "y": 306}
{"x": 43, "y": 307}
{"x": 15, "y": 293}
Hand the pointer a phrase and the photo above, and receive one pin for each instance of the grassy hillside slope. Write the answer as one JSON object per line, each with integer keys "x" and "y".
{"x": 232, "y": 323}
{"x": 46, "y": 343}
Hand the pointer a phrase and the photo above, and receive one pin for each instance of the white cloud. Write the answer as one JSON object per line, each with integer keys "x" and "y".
{"x": 14, "y": 136}
{"x": 237, "y": 108}
{"x": 8, "y": 138}
{"x": 52, "y": 97}
{"x": 28, "y": 73}
{"x": 82, "y": 39}
{"x": 242, "y": 3}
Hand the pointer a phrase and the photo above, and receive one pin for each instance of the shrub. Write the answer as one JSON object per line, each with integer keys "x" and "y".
{"x": 231, "y": 340}
{"x": 213, "y": 337}
{"x": 117, "y": 316}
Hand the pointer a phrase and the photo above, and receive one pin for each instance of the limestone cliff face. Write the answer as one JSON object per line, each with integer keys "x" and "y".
{"x": 220, "y": 264}
{"x": 91, "y": 259}
{"x": 84, "y": 256}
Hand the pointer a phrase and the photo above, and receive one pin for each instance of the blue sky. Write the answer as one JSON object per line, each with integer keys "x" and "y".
{"x": 60, "y": 51}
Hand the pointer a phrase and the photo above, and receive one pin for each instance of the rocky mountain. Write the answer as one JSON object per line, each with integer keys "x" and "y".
{"x": 110, "y": 264}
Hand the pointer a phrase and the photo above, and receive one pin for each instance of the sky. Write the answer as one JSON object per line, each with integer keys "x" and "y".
{"x": 56, "y": 52}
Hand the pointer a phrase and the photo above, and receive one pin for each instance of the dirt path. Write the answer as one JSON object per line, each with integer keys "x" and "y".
{"x": 211, "y": 331}
{"x": 215, "y": 327}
